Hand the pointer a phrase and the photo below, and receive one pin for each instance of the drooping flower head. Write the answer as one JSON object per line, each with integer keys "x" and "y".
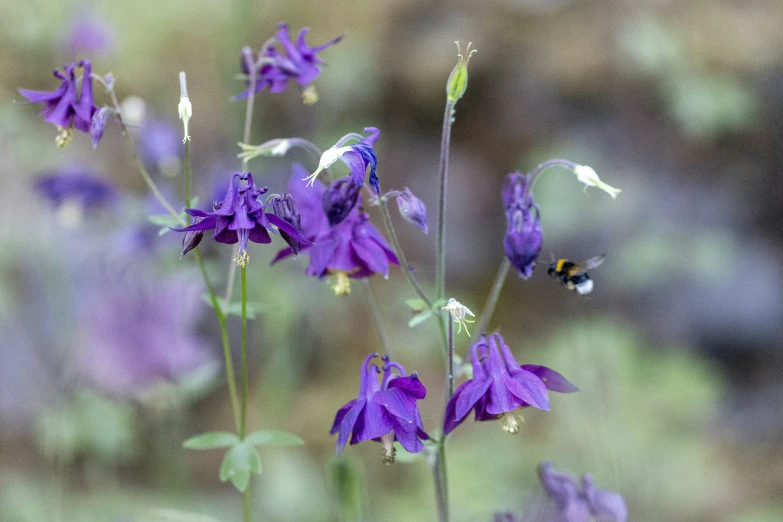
{"x": 351, "y": 249}
{"x": 297, "y": 61}
{"x": 569, "y": 504}
{"x": 74, "y": 192}
{"x": 412, "y": 209}
{"x": 358, "y": 157}
{"x": 524, "y": 237}
{"x": 284, "y": 207}
{"x": 383, "y": 412}
{"x": 241, "y": 218}
{"x": 68, "y": 107}
{"x": 339, "y": 199}
{"x": 501, "y": 386}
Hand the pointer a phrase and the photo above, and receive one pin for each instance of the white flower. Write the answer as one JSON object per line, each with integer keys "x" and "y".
{"x": 588, "y": 176}
{"x": 328, "y": 159}
{"x": 459, "y": 314}
{"x": 281, "y": 148}
{"x": 185, "y": 113}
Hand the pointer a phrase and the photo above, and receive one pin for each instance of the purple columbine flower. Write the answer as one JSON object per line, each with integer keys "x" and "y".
{"x": 241, "y": 218}
{"x": 569, "y": 504}
{"x": 351, "y": 249}
{"x": 284, "y": 207}
{"x": 524, "y": 237}
{"x": 412, "y": 209}
{"x": 68, "y": 107}
{"x": 383, "y": 412}
{"x": 358, "y": 157}
{"x": 340, "y": 199}
{"x": 74, "y": 193}
{"x": 501, "y": 386}
{"x": 298, "y": 62}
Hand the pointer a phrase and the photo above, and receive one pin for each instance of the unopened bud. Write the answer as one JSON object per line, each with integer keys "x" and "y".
{"x": 285, "y": 208}
{"x": 98, "y": 125}
{"x": 458, "y": 79}
{"x": 185, "y": 107}
{"x": 339, "y": 199}
{"x": 191, "y": 239}
{"x": 412, "y": 209}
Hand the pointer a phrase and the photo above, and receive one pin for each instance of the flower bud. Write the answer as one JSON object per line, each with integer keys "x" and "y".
{"x": 524, "y": 236}
{"x": 285, "y": 208}
{"x": 98, "y": 124}
{"x": 185, "y": 108}
{"x": 339, "y": 199}
{"x": 191, "y": 239}
{"x": 458, "y": 79}
{"x": 412, "y": 209}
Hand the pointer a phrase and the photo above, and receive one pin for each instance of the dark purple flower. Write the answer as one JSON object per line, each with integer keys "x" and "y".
{"x": 68, "y": 107}
{"x": 285, "y": 208}
{"x": 339, "y": 199}
{"x": 160, "y": 143}
{"x": 572, "y": 505}
{"x": 241, "y": 218}
{"x": 524, "y": 237}
{"x": 357, "y": 157}
{"x": 88, "y": 35}
{"x": 412, "y": 209}
{"x": 136, "y": 330}
{"x": 351, "y": 249}
{"x": 383, "y": 412}
{"x": 297, "y": 61}
{"x": 74, "y": 192}
{"x": 500, "y": 386}
{"x": 191, "y": 239}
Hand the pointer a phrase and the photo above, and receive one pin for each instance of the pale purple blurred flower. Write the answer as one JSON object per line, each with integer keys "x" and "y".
{"x": 88, "y": 35}
{"x": 160, "y": 143}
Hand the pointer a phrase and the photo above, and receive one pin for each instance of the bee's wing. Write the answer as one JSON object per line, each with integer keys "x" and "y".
{"x": 587, "y": 264}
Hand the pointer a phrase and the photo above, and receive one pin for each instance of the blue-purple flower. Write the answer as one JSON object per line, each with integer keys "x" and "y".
{"x": 569, "y": 504}
{"x": 88, "y": 35}
{"x": 383, "y": 412}
{"x": 339, "y": 199}
{"x": 412, "y": 209}
{"x": 241, "y": 218}
{"x": 297, "y": 61}
{"x": 68, "y": 107}
{"x": 524, "y": 237}
{"x": 74, "y": 193}
{"x": 357, "y": 156}
{"x": 501, "y": 386}
{"x": 160, "y": 143}
{"x": 351, "y": 249}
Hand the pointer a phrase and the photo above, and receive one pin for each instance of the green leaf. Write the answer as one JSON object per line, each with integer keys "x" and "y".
{"x": 165, "y": 220}
{"x": 175, "y": 515}
{"x": 211, "y": 440}
{"x": 440, "y": 303}
{"x": 239, "y": 462}
{"x": 416, "y": 304}
{"x": 273, "y": 438}
{"x": 420, "y": 318}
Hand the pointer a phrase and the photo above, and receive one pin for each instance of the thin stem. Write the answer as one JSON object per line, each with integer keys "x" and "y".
{"x": 188, "y": 186}
{"x": 440, "y": 254}
{"x": 243, "y": 417}
{"x": 441, "y": 481}
{"x": 246, "y": 511}
{"x": 557, "y": 162}
{"x": 230, "y": 379}
{"x": 399, "y": 252}
{"x": 451, "y": 361}
{"x": 139, "y": 165}
{"x": 492, "y": 300}
{"x": 372, "y": 304}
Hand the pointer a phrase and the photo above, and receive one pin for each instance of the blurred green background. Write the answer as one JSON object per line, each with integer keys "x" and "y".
{"x": 677, "y": 352}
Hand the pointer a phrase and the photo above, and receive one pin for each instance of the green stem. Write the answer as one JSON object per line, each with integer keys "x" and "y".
{"x": 451, "y": 361}
{"x": 243, "y": 417}
{"x": 492, "y": 300}
{"x": 400, "y": 253}
{"x": 439, "y": 468}
{"x": 557, "y": 162}
{"x": 246, "y": 511}
{"x": 188, "y": 186}
{"x": 372, "y": 304}
{"x": 440, "y": 254}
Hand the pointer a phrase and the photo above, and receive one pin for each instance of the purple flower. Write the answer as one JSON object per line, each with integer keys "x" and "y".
{"x": 79, "y": 186}
{"x": 351, "y": 249}
{"x": 241, "y": 218}
{"x": 298, "y": 62}
{"x": 572, "y": 505}
{"x": 357, "y": 157}
{"x": 500, "y": 386}
{"x": 524, "y": 237}
{"x": 136, "y": 330}
{"x": 383, "y": 412}
{"x": 339, "y": 199}
{"x": 412, "y": 209}
{"x": 160, "y": 143}
{"x": 88, "y": 35}
{"x": 285, "y": 208}
{"x": 68, "y": 107}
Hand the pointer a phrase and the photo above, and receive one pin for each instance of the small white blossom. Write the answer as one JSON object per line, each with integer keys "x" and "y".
{"x": 588, "y": 176}
{"x": 459, "y": 314}
{"x": 328, "y": 159}
{"x": 185, "y": 113}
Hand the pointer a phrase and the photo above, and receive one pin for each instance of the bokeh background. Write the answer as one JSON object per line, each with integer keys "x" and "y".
{"x": 677, "y": 352}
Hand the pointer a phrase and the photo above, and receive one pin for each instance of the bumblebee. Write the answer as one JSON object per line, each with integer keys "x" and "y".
{"x": 574, "y": 275}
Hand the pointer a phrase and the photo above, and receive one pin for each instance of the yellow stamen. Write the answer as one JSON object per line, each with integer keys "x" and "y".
{"x": 342, "y": 283}
{"x": 242, "y": 259}
{"x": 310, "y": 95}
{"x": 64, "y": 136}
{"x": 389, "y": 451}
{"x": 511, "y": 423}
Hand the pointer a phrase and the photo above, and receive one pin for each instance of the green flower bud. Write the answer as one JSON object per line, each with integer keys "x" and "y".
{"x": 458, "y": 79}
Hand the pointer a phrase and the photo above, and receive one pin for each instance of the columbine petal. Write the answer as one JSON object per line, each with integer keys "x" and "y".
{"x": 551, "y": 379}
{"x": 349, "y": 420}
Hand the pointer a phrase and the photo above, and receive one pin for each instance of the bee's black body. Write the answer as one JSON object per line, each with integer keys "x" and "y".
{"x": 573, "y": 275}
